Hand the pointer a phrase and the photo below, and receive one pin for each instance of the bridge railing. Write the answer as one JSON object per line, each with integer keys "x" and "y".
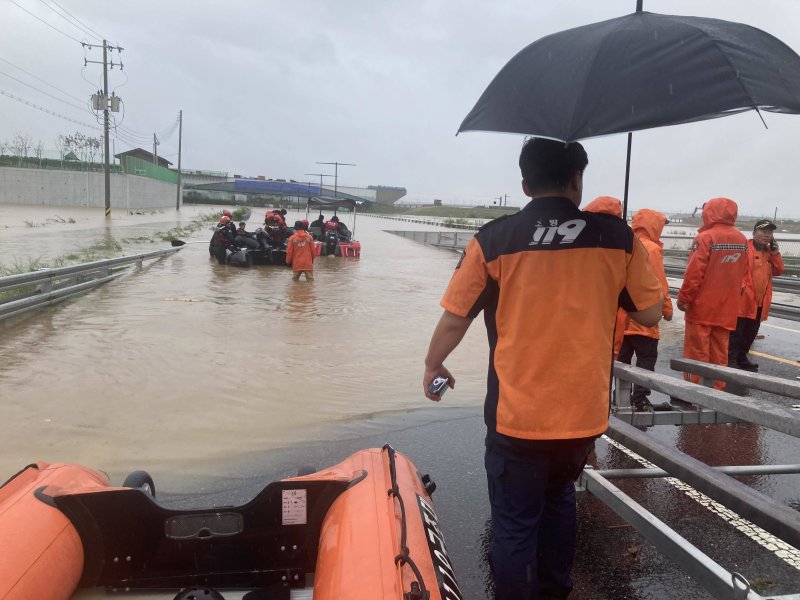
{"x": 29, "y": 291}
{"x": 770, "y": 519}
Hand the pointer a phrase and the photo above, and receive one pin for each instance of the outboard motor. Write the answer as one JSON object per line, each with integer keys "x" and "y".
{"x": 331, "y": 241}
{"x": 240, "y": 258}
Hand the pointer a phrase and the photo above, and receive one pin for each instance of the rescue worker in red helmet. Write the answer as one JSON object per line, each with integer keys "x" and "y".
{"x": 222, "y": 239}
{"x": 231, "y": 224}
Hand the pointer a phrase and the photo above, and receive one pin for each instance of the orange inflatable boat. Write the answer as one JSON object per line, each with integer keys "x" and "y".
{"x": 364, "y": 529}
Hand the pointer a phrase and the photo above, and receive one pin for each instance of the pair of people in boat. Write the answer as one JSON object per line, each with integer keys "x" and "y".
{"x": 333, "y": 225}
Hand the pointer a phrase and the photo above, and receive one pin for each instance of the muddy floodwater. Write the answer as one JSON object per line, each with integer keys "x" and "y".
{"x": 186, "y": 361}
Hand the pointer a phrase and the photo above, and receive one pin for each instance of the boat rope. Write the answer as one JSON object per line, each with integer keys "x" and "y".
{"x": 403, "y": 557}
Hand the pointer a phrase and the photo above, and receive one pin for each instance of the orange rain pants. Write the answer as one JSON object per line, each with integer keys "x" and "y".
{"x": 708, "y": 344}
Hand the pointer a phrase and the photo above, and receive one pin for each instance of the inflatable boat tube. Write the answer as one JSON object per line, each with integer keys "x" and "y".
{"x": 364, "y": 529}
{"x": 42, "y": 555}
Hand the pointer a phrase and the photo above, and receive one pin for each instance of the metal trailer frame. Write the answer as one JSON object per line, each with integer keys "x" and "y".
{"x": 703, "y": 405}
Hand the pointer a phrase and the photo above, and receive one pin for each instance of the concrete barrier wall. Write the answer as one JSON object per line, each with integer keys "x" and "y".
{"x": 45, "y": 187}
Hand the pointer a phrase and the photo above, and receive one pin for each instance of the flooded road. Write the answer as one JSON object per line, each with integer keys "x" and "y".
{"x": 187, "y": 361}
{"x": 217, "y": 379}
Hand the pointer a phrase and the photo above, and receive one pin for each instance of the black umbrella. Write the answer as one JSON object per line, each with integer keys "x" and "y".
{"x": 636, "y": 72}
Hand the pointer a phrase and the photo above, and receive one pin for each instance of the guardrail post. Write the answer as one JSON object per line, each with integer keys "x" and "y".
{"x": 622, "y": 392}
{"x": 46, "y": 286}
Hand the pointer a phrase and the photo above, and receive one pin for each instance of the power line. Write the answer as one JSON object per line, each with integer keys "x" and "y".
{"x": 76, "y": 21}
{"x": 42, "y": 80}
{"x": 43, "y": 92}
{"x": 45, "y": 22}
{"x": 46, "y": 110}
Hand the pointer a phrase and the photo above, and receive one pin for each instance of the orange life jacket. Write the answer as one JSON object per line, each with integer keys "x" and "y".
{"x": 763, "y": 266}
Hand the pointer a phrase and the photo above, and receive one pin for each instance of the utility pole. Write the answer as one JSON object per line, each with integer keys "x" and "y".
{"x": 336, "y": 173}
{"x": 321, "y": 175}
{"x": 180, "y": 134}
{"x": 98, "y": 103}
{"x": 155, "y": 149}
{"x": 506, "y": 199}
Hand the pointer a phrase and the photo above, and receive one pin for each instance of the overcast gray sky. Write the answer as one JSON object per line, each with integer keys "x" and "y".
{"x": 269, "y": 88}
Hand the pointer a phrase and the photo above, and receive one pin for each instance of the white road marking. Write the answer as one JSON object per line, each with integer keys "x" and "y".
{"x": 789, "y": 554}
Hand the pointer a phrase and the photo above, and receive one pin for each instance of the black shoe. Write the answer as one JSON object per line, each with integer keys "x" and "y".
{"x": 642, "y": 405}
{"x": 747, "y": 365}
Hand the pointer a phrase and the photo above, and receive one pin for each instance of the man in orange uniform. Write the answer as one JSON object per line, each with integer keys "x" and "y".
{"x": 549, "y": 280}
{"x": 300, "y": 253}
{"x": 764, "y": 259}
{"x": 647, "y": 225}
{"x": 712, "y": 285}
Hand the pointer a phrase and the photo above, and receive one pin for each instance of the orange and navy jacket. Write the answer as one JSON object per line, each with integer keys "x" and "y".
{"x": 300, "y": 251}
{"x": 763, "y": 266}
{"x": 717, "y": 267}
{"x": 549, "y": 280}
{"x": 648, "y": 224}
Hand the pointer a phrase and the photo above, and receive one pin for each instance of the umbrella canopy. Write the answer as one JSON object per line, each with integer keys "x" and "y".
{"x": 636, "y": 72}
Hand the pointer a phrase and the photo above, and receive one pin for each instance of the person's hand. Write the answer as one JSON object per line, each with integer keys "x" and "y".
{"x": 774, "y": 248}
{"x": 433, "y": 373}
{"x": 683, "y": 306}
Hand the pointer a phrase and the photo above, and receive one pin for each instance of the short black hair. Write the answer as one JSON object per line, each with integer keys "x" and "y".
{"x": 550, "y": 164}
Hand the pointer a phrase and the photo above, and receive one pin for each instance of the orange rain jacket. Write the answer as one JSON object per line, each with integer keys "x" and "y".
{"x": 609, "y": 205}
{"x": 763, "y": 266}
{"x": 648, "y": 224}
{"x": 717, "y": 268}
{"x": 300, "y": 251}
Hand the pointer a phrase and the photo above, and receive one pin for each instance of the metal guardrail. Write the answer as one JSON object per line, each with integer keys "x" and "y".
{"x": 50, "y": 286}
{"x": 790, "y": 285}
{"x": 473, "y": 227}
{"x": 453, "y": 240}
{"x": 704, "y": 405}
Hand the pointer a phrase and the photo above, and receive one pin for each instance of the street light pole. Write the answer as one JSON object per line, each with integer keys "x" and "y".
{"x": 321, "y": 175}
{"x": 336, "y": 173}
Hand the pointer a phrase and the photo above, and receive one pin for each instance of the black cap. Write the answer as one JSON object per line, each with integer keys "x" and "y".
{"x": 765, "y": 224}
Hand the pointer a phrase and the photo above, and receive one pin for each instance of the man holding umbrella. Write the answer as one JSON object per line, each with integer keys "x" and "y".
{"x": 549, "y": 280}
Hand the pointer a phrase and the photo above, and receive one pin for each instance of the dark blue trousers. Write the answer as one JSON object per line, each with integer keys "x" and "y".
{"x": 533, "y": 520}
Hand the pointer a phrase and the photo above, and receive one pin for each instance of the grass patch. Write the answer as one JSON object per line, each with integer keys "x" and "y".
{"x": 107, "y": 247}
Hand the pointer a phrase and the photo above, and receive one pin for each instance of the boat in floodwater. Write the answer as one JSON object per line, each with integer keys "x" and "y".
{"x": 332, "y": 240}
{"x": 364, "y": 529}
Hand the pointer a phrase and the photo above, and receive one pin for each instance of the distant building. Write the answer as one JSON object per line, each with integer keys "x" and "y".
{"x": 387, "y": 195}
{"x": 144, "y": 155}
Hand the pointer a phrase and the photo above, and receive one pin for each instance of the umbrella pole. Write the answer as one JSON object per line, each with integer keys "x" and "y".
{"x": 639, "y": 7}
{"x": 627, "y": 178}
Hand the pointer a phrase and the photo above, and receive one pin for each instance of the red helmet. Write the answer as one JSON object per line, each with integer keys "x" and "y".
{"x": 224, "y": 219}
{"x": 227, "y": 213}
{"x": 305, "y": 222}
